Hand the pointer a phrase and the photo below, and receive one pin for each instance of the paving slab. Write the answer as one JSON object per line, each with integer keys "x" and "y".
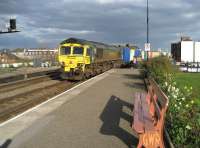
{"x": 95, "y": 114}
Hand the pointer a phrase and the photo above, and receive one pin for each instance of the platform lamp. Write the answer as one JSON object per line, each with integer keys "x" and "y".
{"x": 147, "y": 21}
{"x": 147, "y": 44}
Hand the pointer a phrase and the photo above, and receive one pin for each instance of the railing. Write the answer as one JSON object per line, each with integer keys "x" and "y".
{"x": 190, "y": 67}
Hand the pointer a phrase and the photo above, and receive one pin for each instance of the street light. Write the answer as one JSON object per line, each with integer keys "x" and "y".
{"x": 147, "y": 21}
{"x": 147, "y": 44}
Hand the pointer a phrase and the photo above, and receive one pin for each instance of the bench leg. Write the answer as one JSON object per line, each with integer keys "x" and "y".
{"x": 150, "y": 140}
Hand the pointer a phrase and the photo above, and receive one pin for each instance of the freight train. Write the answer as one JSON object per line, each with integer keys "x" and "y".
{"x": 82, "y": 59}
{"x": 131, "y": 55}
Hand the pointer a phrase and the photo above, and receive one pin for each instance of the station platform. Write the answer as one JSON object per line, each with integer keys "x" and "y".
{"x": 94, "y": 114}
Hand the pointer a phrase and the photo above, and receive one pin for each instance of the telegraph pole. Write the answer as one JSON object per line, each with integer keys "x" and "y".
{"x": 147, "y": 46}
{"x": 147, "y": 21}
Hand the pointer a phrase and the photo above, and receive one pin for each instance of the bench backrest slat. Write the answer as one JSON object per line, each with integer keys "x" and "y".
{"x": 159, "y": 101}
{"x": 162, "y": 98}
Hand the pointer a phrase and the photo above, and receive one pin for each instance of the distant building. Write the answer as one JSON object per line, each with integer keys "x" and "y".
{"x": 32, "y": 53}
{"x": 8, "y": 58}
{"x": 186, "y": 50}
{"x": 153, "y": 54}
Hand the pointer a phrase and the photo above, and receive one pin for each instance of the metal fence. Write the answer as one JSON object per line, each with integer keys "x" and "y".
{"x": 190, "y": 67}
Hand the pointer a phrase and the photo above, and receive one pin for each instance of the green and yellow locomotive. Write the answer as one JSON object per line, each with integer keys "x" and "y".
{"x": 82, "y": 59}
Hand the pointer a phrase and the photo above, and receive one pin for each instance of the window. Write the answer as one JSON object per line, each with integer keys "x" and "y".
{"x": 89, "y": 52}
{"x": 78, "y": 50}
{"x": 65, "y": 50}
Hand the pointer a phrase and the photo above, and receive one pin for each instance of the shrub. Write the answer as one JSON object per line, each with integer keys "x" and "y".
{"x": 160, "y": 68}
{"x": 183, "y": 117}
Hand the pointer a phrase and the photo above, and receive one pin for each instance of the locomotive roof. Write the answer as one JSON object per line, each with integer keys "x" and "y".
{"x": 92, "y": 43}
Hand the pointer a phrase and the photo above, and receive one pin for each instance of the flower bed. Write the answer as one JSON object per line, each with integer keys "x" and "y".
{"x": 183, "y": 116}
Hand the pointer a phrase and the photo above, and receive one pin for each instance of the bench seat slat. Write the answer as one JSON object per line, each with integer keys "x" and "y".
{"x": 138, "y": 125}
{"x": 147, "y": 118}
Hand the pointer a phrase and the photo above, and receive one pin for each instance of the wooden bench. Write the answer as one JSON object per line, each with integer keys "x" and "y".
{"x": 149, "y": 116}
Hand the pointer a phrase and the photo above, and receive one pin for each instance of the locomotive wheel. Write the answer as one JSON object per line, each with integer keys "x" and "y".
{"x": 87, "y": 75}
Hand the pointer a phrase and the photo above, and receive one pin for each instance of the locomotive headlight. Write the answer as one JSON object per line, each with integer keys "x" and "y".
{"x": 64, "y": 64}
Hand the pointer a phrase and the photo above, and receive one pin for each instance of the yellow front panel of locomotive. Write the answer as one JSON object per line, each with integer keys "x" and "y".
{"x": 71, "y": 61}
{"x": 87, "y": 60}
{"x": 66, "y": 69}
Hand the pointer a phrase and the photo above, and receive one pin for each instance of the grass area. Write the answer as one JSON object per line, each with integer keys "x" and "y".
{"x": 190, "y": 79}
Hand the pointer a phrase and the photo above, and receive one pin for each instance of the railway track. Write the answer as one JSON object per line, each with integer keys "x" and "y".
{"x": 21, "y": 83}
{"x": 17, "y": 97}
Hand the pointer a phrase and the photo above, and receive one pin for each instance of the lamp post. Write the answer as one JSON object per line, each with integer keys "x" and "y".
{"x": 147, "y": 21}
{"x": 147, "y": 45}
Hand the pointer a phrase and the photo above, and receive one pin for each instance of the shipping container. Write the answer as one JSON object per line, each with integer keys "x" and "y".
{"x": 145, "y": 56}
{"x": 126, "y": 55}
{"x": 142, "y": 53}
{"x": 132, "y": 53}
{"x": 137, "y": 53}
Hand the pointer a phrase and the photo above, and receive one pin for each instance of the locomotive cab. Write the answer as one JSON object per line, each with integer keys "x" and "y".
{"x": 83, "y": 59}
{"x": 73, "y": 58}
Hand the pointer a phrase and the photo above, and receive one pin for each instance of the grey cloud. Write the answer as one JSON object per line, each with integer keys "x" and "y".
{"x": 113, "y": 21}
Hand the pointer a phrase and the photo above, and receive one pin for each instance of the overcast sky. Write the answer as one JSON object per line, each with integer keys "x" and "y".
{"x": 45, "y": 23}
